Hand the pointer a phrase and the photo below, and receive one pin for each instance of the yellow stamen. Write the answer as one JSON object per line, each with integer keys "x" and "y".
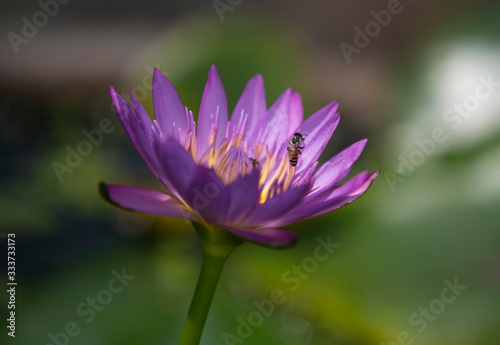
{"x": 230, "y": 159}
{"x": 291, "y": 173}
{"x": 265, "y": 171}
{"x": 279, "y": 181}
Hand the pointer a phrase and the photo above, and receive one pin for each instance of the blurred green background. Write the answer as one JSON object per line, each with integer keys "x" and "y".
{"x": 431, "y": 219}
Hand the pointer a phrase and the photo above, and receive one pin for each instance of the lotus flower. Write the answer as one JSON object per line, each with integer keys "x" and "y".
{"x": 236, "y": 174}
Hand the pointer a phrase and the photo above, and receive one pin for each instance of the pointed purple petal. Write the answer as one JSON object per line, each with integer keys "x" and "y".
{"x": 144, "y": 137}
{"x": 208, "y": 196}
{"x": 276, "y": 206}
{"x": 252, "y": 103}
{"x": 244, "y": 196}
{"x": 281, "y": 120}
{"x": 137, "y": 126}
{"x": 274, "y": 238}
{"x": 167, "y": 105}
{"x": 213, "y": 104}
{"x": 144, "y": 201}
{"x": 142, "y": 115}
{"x": 340, "y": 196}
{"x": 128, "y": 117}
{"x": 296, "y": 113}
{"x": 177, "y": 164}
{"x": 319, "y": 129}
{"x": 337, "y": 168}
{"x": 354, "y": 187}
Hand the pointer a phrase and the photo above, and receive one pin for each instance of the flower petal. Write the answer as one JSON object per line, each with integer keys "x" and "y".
{"x": 213, "y": 105}
{"x": 178, "y": 166}
{"x": 337, "y": 168}
{"x": 144, "y": 201}
{"x": 319, "y": 129}
{"x": 136, "y": 124}
{"x": 144, "y": 135}
{"x": 276, "y": 206}
{"x": 280, "y": 121}
{"x": 244, "y": 196}
{"x": 142, "y": 116}
{"x": 354, "y": 187}
{"x": 167, "y": 105}
{"x": 340, "y": 196}
{"x": 274, "y": 238}
{"x": 127, "y": 117}
{"x": 208, "y": 196}
{"x": 252, "y": 103}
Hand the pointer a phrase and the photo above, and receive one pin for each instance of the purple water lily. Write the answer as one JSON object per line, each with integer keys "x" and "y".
{"x": 236, "y": 173}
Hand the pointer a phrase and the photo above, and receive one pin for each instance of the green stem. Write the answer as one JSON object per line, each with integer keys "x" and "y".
{"x": 216, "y": 245}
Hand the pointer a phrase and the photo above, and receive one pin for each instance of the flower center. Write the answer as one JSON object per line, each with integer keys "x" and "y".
{"x": 236, "y": 155}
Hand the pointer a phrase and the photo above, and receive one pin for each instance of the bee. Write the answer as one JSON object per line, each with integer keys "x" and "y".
{"x": 254, "y": 162}
{"x": 295, "y": 144}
